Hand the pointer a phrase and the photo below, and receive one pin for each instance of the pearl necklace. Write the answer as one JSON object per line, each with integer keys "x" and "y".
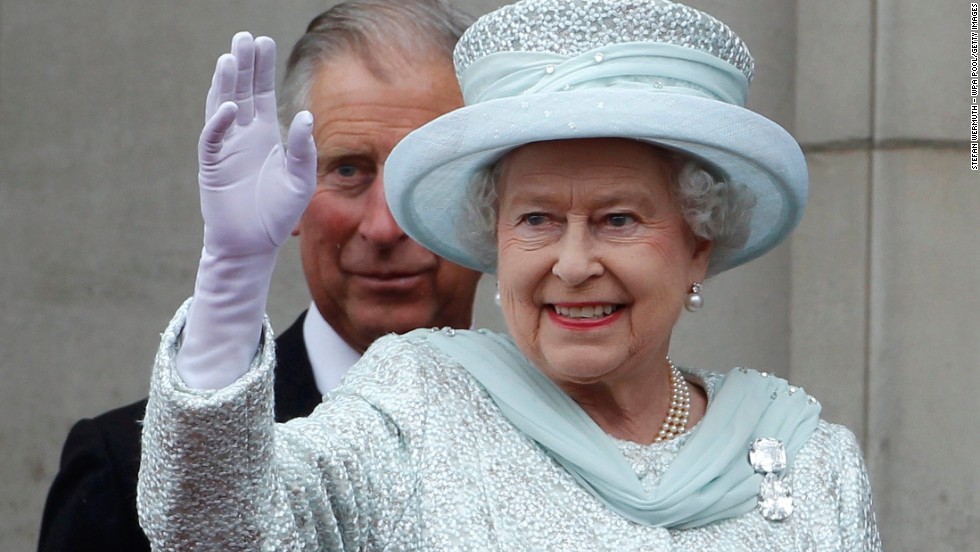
{"x": 680, "y": 406}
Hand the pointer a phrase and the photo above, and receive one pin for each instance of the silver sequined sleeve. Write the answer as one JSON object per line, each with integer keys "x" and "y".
{"x": 216, "y": 474}
{"x": 856, "y": 506}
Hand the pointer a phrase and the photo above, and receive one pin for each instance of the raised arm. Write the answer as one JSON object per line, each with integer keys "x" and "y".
{"x": 252, "y": 195}
{"x": 216, "y": 472}
{"x": 207, "y": 479}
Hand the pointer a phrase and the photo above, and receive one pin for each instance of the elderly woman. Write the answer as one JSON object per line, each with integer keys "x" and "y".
{"x": 602, "y": 168}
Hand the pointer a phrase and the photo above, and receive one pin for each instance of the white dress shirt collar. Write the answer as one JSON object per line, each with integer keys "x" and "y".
{"x": 330, "y": 356}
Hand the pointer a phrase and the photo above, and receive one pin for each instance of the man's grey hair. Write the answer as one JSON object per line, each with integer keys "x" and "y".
{"x": 383, "y": 34}
{"x": 713, "y": 208}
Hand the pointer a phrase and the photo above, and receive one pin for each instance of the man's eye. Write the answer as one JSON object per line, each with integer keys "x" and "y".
{"x": 346, "y": 171}
{"x": 349, "y": 175}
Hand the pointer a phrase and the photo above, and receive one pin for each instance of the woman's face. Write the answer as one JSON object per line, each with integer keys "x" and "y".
{"x": 595, "y": 258}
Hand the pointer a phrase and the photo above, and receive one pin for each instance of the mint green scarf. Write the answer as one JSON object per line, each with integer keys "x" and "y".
{"x": 709, "y": 480}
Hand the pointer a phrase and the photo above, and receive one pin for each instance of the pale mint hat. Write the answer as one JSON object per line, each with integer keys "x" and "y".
{"x": 652, "y": 70}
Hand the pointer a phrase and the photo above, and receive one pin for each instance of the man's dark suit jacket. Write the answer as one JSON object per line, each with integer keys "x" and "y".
{"x": 92, "y": 503}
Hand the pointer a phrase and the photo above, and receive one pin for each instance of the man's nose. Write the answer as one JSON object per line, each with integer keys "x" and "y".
{"x": 378, "y": 226}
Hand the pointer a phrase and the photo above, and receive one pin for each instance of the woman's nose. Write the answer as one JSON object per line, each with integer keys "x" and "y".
{"x": 577, "y": 260}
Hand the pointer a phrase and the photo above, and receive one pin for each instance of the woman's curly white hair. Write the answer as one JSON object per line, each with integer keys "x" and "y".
{"x": 714, "y": 209}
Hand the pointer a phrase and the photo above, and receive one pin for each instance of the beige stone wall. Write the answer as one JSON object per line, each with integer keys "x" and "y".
{"x": 872, "y": 306}
{"x": 885, "y": 324}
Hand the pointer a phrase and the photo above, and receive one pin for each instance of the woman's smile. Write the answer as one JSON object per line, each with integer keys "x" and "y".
{"x": 584, "y": 316}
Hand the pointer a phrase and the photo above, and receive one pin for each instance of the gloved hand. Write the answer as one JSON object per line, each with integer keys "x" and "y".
{"x": 252, "y": 195}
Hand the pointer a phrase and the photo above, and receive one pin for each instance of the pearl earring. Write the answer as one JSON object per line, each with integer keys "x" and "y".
{"x": 694, "y": 301}
{"x": 496, "y": 297}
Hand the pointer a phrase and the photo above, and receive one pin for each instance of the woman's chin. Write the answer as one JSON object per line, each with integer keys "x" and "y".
{"x": 579, "y": 368}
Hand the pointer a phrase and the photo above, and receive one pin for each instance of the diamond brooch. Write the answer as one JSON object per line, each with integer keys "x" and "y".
{"x": 768, "y": 457}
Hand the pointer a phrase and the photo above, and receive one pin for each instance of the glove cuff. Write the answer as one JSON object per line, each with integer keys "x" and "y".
{"x": 224, "y": 323}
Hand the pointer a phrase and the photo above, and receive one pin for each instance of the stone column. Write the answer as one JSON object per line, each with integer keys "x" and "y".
{"x": 884, "y": 312}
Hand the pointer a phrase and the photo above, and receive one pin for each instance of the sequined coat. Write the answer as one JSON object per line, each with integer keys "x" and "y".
{"x": 410, "y": 453}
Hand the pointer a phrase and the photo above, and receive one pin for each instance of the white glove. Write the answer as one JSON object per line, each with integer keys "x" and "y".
{"x": 252, "y": 195}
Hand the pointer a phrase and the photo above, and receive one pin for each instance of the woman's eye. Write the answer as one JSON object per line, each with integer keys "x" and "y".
{"x": 619, "y": 220}
{"x": 535, "y": 219}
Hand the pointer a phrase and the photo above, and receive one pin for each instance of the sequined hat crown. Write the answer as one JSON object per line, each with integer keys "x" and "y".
{"x": 651, "y": 70}
{"x": 570, "y": 28}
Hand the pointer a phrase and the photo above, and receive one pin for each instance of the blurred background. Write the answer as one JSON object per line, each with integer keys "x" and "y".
{"x": 872, "y": 306}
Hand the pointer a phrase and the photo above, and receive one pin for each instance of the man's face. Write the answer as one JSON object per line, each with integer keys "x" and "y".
{"x": 368, "y": 278}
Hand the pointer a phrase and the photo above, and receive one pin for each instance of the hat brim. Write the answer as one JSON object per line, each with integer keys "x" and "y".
{"x": 427, "y": 174}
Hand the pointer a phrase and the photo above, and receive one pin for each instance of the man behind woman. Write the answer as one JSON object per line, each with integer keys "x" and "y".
{"x": 371, "y": 71}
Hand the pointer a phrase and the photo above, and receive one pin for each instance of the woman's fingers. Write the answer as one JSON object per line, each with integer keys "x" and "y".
{"x": 265, "y": 78}
{"x": 287, "y": 182}
{"x": 246, "y": 76}
{"x": 301, "y": 154}
{"x": 222, "y": 84}
{"x": 243, "y": 48}
{"x": 211, "y": 104}
{"x": 213, "y": 134}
